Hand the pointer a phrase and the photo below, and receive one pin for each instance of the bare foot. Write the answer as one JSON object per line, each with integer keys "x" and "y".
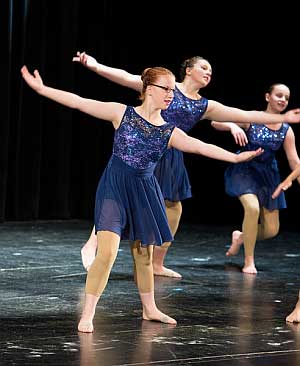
{"x": 249, "y": 265}
{"x": 294, "y": 317}
{"x": 164, "y": 271}
{"x": 236, "y": 242}
{"x": 88, "y": 254}
{"x": 250, "y": 269}
{"x": 158, "y": 316}
{"x": 85, "y": 326}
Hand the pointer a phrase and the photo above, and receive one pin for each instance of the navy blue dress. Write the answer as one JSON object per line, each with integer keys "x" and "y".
{"x": 259, "y": 176}
{"x": 129, "y": 201}
{"x": 170, "y": 171}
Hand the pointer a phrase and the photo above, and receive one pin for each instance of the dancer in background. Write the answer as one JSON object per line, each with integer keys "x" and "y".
{"x": 129, "y": 204}
{"x": 187, "y": 108}
{"x": 254, "y": 182}
{"x": 294, "y": 316}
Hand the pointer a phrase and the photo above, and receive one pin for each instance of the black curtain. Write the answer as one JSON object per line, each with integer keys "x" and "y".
{"x": 52, "y": 157}
{"x": 43, "y": 173}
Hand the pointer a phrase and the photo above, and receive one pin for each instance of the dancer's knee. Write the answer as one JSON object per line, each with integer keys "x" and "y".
{"x": 251, "y": 205}
{"x": 252, "y": 210}
{"x": 174, "y": 211}
{"x": 98, "y": 275}
{"x": 105, "y": 261}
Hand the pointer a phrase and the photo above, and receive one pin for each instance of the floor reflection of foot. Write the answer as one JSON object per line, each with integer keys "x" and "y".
{"x": 156, "y": 328}
{"x": 248, "y": 281}
{"x": 87, "y": 351}
{"x": 295, "y": 328}
{"x": 151, "y": 333}
{"x": 231, "y": 267}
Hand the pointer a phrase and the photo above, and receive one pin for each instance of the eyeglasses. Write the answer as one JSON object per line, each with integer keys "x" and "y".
{"x": 165, "y": 88}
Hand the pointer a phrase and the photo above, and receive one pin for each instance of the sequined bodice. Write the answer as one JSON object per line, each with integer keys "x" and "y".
{"x": 184, "y": 112}
{"x": 270, "y": 140}
{"x": 139, "y": 143}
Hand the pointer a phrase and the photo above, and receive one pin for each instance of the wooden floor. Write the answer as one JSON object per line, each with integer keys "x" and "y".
{"x": 224, "y": 316}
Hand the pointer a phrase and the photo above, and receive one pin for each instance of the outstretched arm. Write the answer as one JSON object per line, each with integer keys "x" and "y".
{"x": 118, "y": 76}
{"x": 283, "y": 186}
{"x": 181, "y": 141}
{"x": 222, "y": 113}
{"x": 237, "y": 132}
{"x": 107, "y": 111}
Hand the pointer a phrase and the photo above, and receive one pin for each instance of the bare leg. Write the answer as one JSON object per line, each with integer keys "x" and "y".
{"x": 174, "y": 211}
{"x": 268, "y": 228}
{"x": 269, "y": 224}
{"x": 294, "y": 316}
{"x": 158, "y": 267}
{"x": 252, "y": 231}
{"x": 85, "y": 324}
{"x": 250, "y": 226}
{"x": 145, "y": 282}
{"x": 88, "y": 251}
{"x": 97, "y": 277}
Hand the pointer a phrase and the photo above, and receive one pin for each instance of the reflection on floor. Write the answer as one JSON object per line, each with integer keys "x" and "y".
{"x": 224, "y": 316}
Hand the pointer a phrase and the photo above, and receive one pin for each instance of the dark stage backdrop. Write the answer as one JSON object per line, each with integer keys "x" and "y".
{"x": 51, "y": 157}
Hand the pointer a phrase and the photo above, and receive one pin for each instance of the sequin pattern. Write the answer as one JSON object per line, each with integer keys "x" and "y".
{"x": 270, "y": 140}
{"x": 184, "y": 112}
{"x": 139, "y": 143}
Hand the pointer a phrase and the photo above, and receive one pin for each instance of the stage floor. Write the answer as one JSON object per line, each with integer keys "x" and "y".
{"x": 224, "y": 317}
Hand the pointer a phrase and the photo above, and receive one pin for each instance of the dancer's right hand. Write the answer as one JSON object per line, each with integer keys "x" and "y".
{"x": 86, "y": 60}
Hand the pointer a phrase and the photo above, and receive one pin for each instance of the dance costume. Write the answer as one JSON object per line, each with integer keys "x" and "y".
{"x": 259, "y": 176}
{"x": 128, "y": 198}
{"x": 170, "y": 171}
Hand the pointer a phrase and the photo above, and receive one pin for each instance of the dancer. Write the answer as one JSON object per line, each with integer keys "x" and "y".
{"x": 187, "y": 108}
{"x": 294, "y": 316}
{"x": 129, "y": 203}
{"x": 254, "y": 182}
